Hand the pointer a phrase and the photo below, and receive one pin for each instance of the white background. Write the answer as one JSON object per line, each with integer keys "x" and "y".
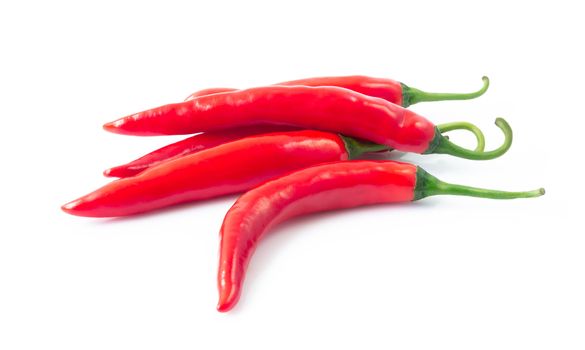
{"x": 443, "y": 273}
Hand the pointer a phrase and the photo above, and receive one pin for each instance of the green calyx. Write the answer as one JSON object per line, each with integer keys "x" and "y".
{"x": 427, "y": 185}
{"x": 442, "y": 145}
{"x": 356, "y": 148}
{"x": 411, "y": 95}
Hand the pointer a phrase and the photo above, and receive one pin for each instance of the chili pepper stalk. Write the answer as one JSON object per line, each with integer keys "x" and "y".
{"x": 412, "y": 96}
{"x": 388, "y": 89}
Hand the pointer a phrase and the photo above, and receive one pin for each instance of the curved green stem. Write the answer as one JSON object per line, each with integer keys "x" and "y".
{"x": 356, "y": 148}
{"x": 411, "y": 96}
{"x": 428, "y": 185}
{"x": 441, "y": 144}
{"x": 443, "y": 128}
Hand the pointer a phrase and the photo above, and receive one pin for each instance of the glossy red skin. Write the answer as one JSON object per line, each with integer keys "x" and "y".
{"x": 388, "y": 89}
{"x": 321, "y": 108}
{"x": 193, "y": 144}
{"x": 229, "y": 168}
{"x": 314, "y": 189}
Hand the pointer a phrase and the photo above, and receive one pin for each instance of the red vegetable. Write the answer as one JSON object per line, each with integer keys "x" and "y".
{"x": 323, "y": 108}
{"x": 388, "y": 89}
{"x": 188, "y": 146}
{"x": 210, "y": 139}
{"x": 229, "y": 168}
{"x": 320, "y": 188}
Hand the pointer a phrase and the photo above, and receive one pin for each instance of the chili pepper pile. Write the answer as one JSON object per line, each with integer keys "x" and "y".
{"x": 295, "y": 148}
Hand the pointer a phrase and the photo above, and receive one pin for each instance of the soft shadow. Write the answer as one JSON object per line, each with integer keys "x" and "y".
{"x": 382, "y": 156}
{"x": 426, "y": 161}
{"x": 262, "y": 257}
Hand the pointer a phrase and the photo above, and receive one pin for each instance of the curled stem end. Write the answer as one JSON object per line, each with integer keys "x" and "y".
{"x": 441, "y": 144}
{"x": 411, "y": 96}
{"x": 443, "y": 128}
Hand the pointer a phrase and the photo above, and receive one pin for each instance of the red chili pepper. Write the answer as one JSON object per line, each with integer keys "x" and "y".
{"x": 388, "y": 89}
{"x": 188, "y": 146}
{"x": 323, "y": 108}
{"x": 321, "y": 188}
{"x": 210, "y": 139}
{"x": 229, "y": 168}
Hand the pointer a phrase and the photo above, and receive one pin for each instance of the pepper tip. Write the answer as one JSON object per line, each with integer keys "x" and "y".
{"x": 223, "y": 307}
{"x": 227, "y": 301}
{"x": 115, "y": 126}
{"x": 109, "y": 127}
{"x": 69, "y": 208}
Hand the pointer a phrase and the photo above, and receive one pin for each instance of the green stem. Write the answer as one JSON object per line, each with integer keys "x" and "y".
{"x": 428, "y": 185}
{"x": 411, "y": 96}
{"x": 443, "y": 128}
{"x": 356, "y": 148}
{"x": 441, "y": 144}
